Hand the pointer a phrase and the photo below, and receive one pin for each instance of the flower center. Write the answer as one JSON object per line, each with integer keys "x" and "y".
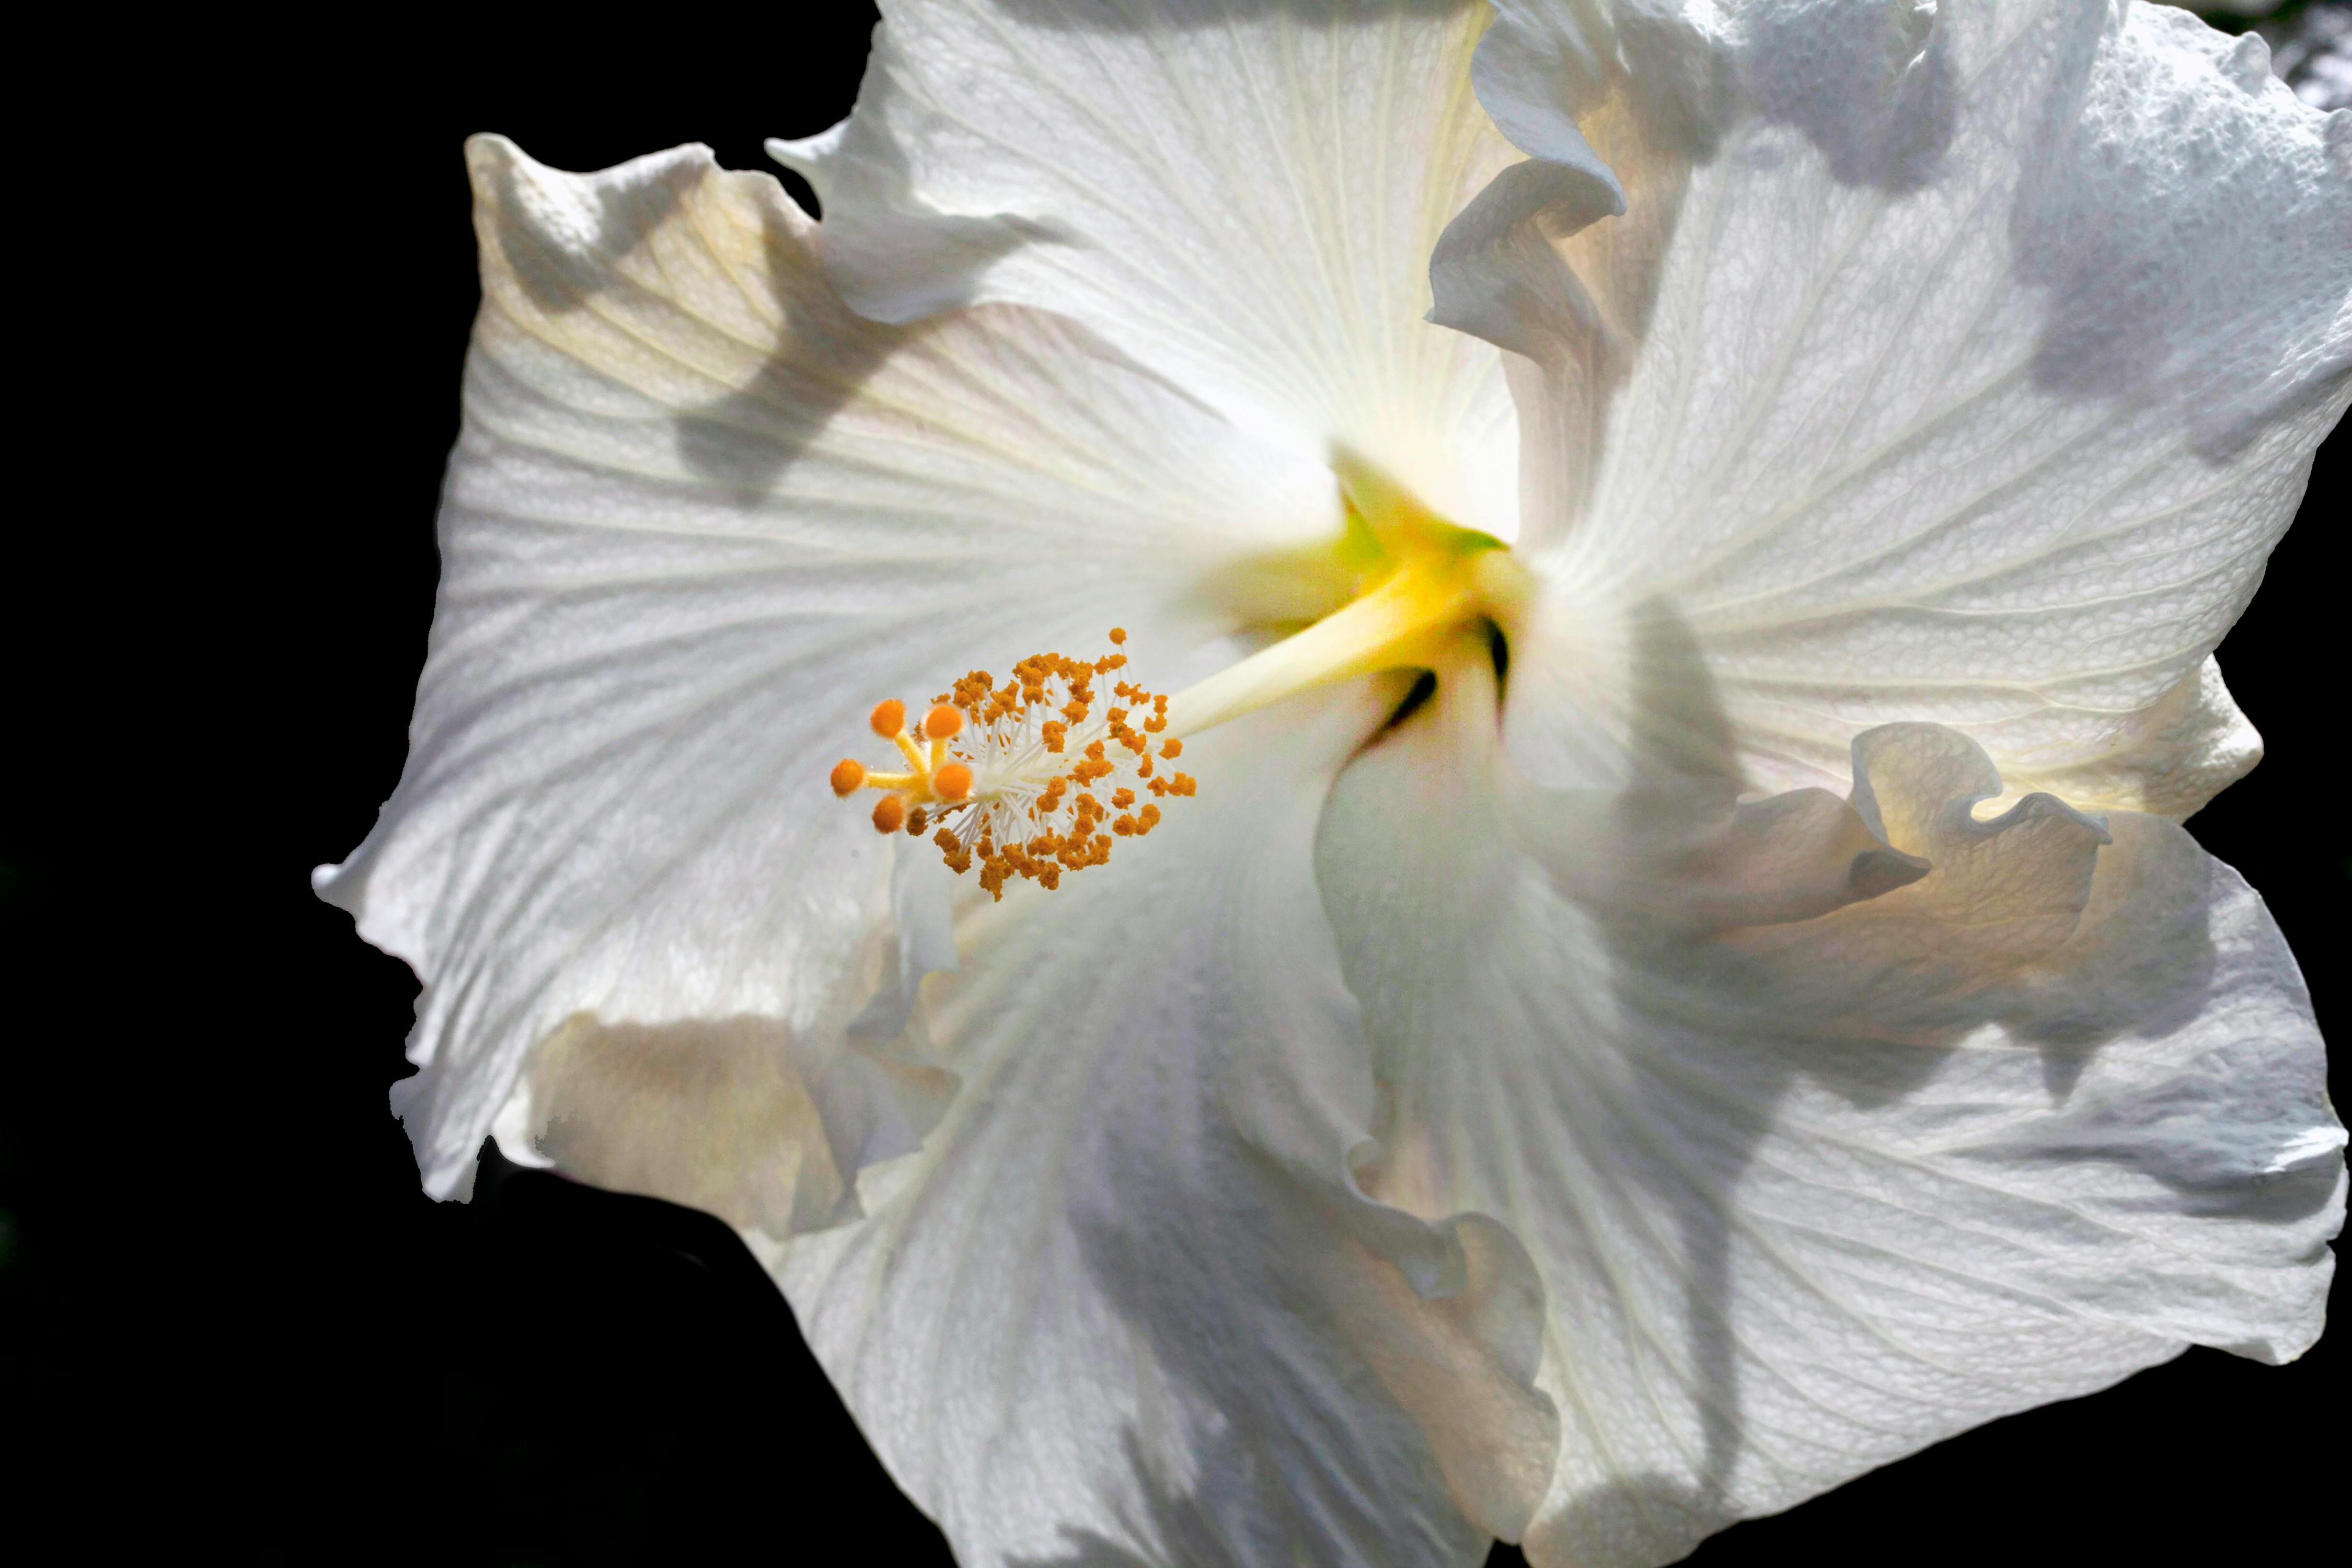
{"x": 1014, "y": 778}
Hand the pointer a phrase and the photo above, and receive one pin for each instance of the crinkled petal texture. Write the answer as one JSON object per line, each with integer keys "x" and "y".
{"x": 1923, "y": 373}
{"x": 701, "y": 518}
{"x": 1833, "y": 1127}
{"x": 1242, "y": 195}
{"x": 1127, "y": 1304}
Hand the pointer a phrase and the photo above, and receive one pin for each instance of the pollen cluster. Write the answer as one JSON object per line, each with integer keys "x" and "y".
{"x": 1026, "y": 779}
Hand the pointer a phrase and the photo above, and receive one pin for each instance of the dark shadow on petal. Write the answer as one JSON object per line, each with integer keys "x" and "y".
{"x": 1870, "y": 84}
{"x": 1680, "y": 85}
{"x": 1683, "y": 752}
{"x": 1681, "y": 735}
{"x": 748, "y": 439}
{"x": 2090, "y": 978}
{"x": 1683, "y": 761}
{"x": 562, "y": 273}
{"x": 1279, "y": 1429}
{"x": 2154, "y": 985}
{"x": 2144, "y": 191}
{"x": 2158, "y": 983}
{"x": 1167, "y": 1517}
{"x": 894, "y": 258}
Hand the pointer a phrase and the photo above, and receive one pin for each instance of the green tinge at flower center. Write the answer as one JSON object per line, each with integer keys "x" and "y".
{"x": 1423, "y": 580}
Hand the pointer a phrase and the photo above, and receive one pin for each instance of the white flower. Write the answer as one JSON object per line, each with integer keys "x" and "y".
{"x": 1630, "y": 1081}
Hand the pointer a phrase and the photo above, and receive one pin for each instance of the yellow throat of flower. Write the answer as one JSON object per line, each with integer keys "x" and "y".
{"x": 1014, "y": 777}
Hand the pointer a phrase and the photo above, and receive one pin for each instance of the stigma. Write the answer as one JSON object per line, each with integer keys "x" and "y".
{"x": 1037, "y": 778}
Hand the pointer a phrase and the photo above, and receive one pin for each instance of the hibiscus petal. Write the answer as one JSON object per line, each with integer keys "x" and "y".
{"x": 1809, "y": 1197}
{"x": 1243, "y": 196}
{"x": 1127, "y": 1305}
{"x": 1961, "y": 364}
{"x": 699, "y": 519}
{"x": 742, "y": 1117}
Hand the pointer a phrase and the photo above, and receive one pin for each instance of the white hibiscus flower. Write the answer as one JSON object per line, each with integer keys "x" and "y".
{"x": 1680, "y": 981}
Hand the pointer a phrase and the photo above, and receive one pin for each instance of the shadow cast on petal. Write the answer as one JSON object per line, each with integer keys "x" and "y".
{"x": 1179, "y": 1521}
{"x": 748, "y": 440}
{"x": 560, "y": 278}
{"x": 2134, "y": 219}
{"x": 1761, "y": 1017}
{"x": 1869, "y": 84}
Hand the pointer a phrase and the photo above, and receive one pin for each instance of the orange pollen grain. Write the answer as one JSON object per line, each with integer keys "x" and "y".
{"x": 1063, "y": 825}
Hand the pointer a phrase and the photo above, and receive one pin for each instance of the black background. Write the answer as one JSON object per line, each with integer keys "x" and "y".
{"x": 550, "y": 1375}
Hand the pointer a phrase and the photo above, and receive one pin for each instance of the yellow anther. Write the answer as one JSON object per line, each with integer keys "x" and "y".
{"x": 847, "y": 775}
{"x": 889, "y": 717}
